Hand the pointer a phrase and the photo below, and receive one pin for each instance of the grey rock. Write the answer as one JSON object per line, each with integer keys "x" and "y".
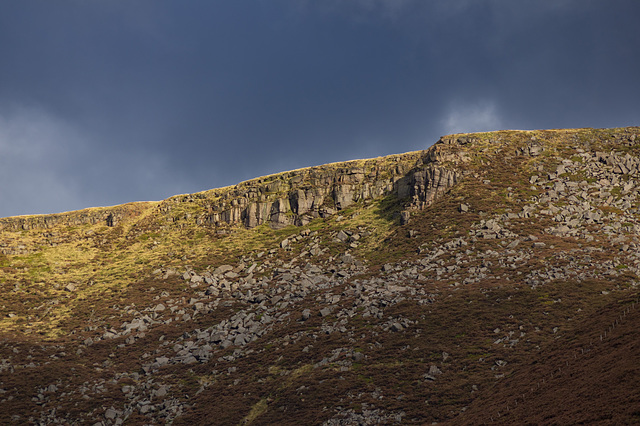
{"x": 396, "y": 327}
{"x": 513, "y": 244}
{"x": 222, "y": 269}
{"x": 306, "y": 314}
{"x": 161, "y": 391}
{"x": 251, "y": 268}
{"x": 324, "y": 312}
{"x": 240, "y": 340}
{"x": 110, "y": 414}
{"x": 146, "y": 408}
{"x": 189, "y": 359}
{"x": 216, "y": 337}
{"x": 434, "y": 372}
{"x": 163, "y": 360}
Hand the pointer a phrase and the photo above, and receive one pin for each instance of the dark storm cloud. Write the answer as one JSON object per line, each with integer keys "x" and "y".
{"x": 104, "y": 102}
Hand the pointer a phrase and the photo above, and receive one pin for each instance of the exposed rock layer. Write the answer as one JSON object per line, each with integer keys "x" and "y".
{"x": 110, "y": 216}
{"x": 290, "y": 198}
{"x": 296, "y": 197}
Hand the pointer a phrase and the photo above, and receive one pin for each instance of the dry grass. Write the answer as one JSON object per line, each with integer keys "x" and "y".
{"x": 112, "y": 268}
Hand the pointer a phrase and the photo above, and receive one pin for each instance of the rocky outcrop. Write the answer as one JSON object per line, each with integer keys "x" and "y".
{"x": 297, "y": 202}
{"x": 424, "y": 185}
{"x": 297, "y": 197}
{"x": 109, "y": 216}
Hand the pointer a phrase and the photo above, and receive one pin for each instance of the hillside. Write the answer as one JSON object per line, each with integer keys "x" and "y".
{"x": 492, "y": 278}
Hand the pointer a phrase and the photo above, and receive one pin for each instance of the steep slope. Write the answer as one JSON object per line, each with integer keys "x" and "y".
{"x": 491, "y": 278}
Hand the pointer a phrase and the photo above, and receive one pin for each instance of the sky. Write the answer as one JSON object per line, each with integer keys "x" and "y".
{"x": 104, "y": 102}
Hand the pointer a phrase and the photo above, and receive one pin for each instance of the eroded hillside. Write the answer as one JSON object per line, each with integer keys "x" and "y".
{"x": 473, "y": 282}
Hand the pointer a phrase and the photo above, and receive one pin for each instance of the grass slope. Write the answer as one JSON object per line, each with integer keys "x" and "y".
{"x": 560, "y": 371}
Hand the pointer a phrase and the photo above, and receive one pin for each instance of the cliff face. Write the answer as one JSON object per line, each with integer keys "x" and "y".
{"x": 290, "y": 198}
{"x": 296, "y": 202}
{"x": 109, "y": 216}
{"x": 297, "y": 197}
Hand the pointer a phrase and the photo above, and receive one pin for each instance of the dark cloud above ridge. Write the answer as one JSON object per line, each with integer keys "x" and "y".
{"x": 143, "y": 100}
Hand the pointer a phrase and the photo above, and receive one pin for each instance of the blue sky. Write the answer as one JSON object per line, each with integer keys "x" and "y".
{"x": 109, "y": 101}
